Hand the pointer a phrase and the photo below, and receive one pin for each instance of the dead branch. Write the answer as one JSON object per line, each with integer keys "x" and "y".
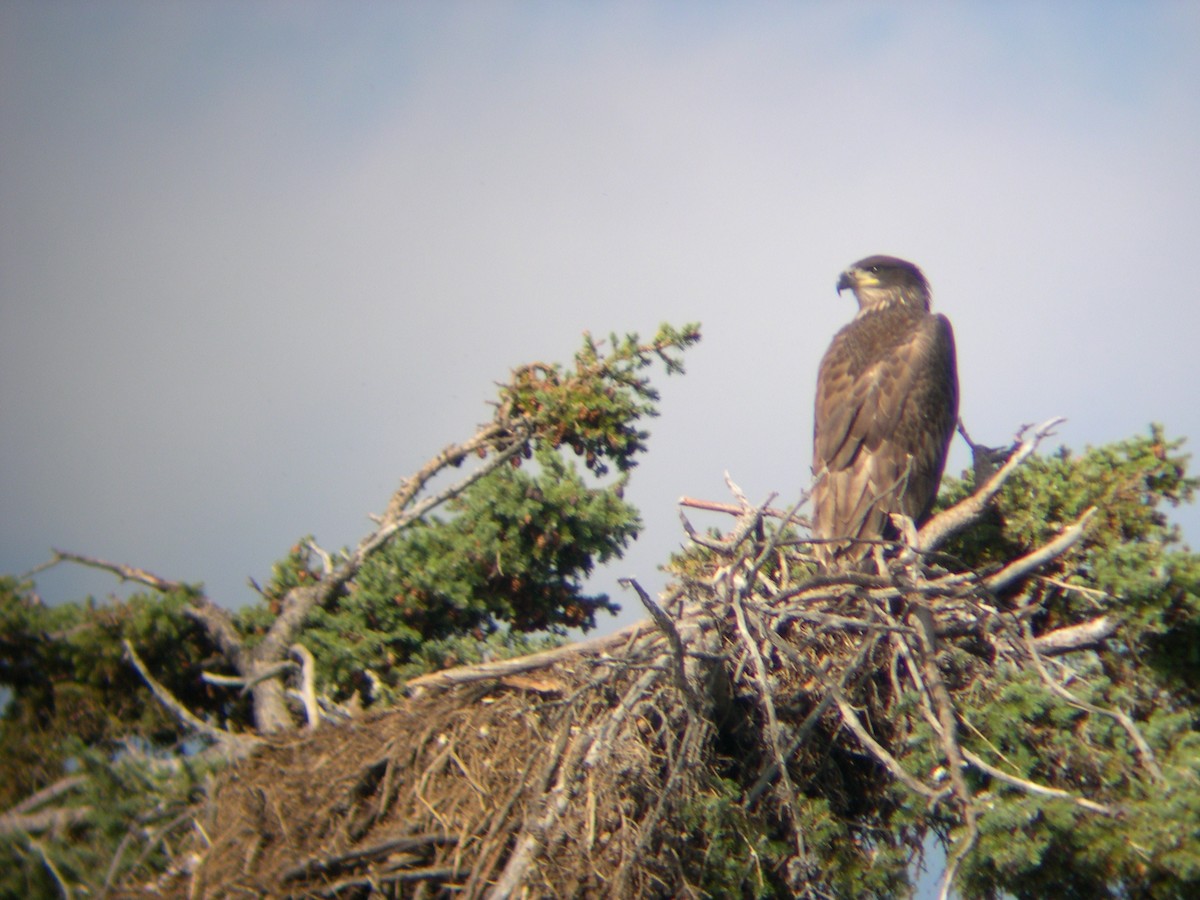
{"x": 46, "y": 794}
{"x": 122, "y": 571}
{"x": 889, "y": 762}
{"x": 1121, "y": 718}
{"x": 950, "y": 521}
{"x": 237, "y": 743}
{"x": 494, "y": 670}
{"x": 667, "y": 627}
{"x": 1022, "y": 566}
{"x": 308, "y": 684}
{"x": 735, "y": 510}
{"x": 944, "y": 710}
{"x": 1032, "y": 787}
{"x": 340, "y": 861}
{"x": 1083, "y": 636}
{"x": 46, "y": 820}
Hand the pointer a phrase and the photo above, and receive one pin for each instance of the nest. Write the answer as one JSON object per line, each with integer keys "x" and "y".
{"x": 461, "y": 788}
{"x": 693, "y": 751}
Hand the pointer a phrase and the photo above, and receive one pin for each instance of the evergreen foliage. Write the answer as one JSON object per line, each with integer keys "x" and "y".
{"x": 1131, "y": 566}
{"x": 501, "y": 574}
{"x": 72, "y": 687}
{"x": 512, "y": 557}
{"x": 502, "y": 568}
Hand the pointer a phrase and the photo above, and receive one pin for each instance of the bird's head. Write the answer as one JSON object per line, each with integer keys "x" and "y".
{"x": 882, "y": 281}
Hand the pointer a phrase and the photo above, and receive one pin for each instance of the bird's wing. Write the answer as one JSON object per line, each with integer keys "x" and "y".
{"x": 871, "y": 417}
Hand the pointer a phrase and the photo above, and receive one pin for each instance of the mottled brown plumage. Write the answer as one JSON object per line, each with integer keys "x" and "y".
{"x": 887, "y": 405}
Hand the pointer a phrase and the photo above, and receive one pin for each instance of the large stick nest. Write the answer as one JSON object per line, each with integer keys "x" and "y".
{"x": 649, "y": 763}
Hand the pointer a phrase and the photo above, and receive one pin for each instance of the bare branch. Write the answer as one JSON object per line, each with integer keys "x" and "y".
{"x": 218, "y": 622}
{"x": 1083, "y": 636}
{"x": 1018, "y": 568}
{"x": 308, "y": 684}
{"x": 1033, "y": 787}
{"x": 46, "y": 794}
{"x": 237, "y": 742}
{"x": 734, "y": 510}
{"x": 322, "y": 554}
{"x": 122, "y": 571}
{"x": 667, "y": 627}
{"x": 300, "y": 601}
{"x": 493, "y": 670}
{"x": 889, "y": 762}
{"x": 1143, "y": 749}
{"x": 953, "y": 520}
{"x": 46, "y": 820}
{"x": 22, "y": 818}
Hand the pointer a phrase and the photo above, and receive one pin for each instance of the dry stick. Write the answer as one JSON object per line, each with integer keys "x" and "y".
{"x": 1122, "y": 718}
{"x": 237, "y": 742}
{"x": 46, "y": 820}
{"x": 489, "y": 847}
{"x": 768, "y": 705}
{"x": 52, "y": 869}
{"x": 486, "y": 671}
{"x": 1032, "y": 786}
{"x": 876, "y": 749}
{"x": 326, "y": 864}
{"x": 1020, "y": 567}
{"x": 645, "y": 830}
{"x": 299, "y": 601}
{"x": 374, "y": 880}
{"x": 943, "y": 705}
{"x": 280, "y": 668}
{"x": 532, "y": 840}
{"x": 604, "y": 734}
{"x": 115, "y": 864}
{"x": 122, "y": 571}
{"x": 1075, "y": 637}
{"x": 731, "y": 509}
{"x": 586, "y": 751}
{"x": 987, "y": 768}
{"x": 308, "y": 688}
{"x": 810, "y": 721}
{"x": 952, "y": 520}
{"x": 45, "y": 795}
{"x": 667, "y": 627}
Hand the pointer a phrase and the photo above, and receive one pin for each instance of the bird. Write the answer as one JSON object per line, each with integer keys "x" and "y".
{"x": 885, "y": 412}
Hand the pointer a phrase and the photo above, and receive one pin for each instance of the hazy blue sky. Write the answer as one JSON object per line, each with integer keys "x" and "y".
{"x": 259, "y": 260}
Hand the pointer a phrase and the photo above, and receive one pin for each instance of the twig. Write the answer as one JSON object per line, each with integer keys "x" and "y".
{"x": 1016, "y": 569}
{"x": 733, "y": 510}
{"x": 667, "y": 627}
{"x": 308, "y": 684}
{"x": 46, "y": 820}
{"x": 52, "y": 869}
{"x": 952, "y": 520}
{"x": 46, "y": 794}
{"x": 240, "y": 743}
{"x": 1122, "y": 718}
{"x": 122, "y": 571}
{"x": 943, "y": 706}
{"x": 338, "y": 861}
{"x": 876, "y": 749}
{"x": 1033, "y": 787}
{"x": 491, "y": 670}
{"x": 1075, "y": 637}
{"x": 800, "y": 735}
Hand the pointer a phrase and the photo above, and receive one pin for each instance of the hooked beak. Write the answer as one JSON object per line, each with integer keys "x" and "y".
{"x": 853, "y": 279}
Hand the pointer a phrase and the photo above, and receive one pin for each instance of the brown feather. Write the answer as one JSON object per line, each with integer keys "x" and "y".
{"x": 886, "y": 409}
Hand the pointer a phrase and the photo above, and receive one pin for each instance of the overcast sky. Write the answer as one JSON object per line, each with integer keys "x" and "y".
{"x": 259, "y": 260}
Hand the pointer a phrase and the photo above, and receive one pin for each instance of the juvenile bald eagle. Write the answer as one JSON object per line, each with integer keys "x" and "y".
{"x": 887, "y": 404}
